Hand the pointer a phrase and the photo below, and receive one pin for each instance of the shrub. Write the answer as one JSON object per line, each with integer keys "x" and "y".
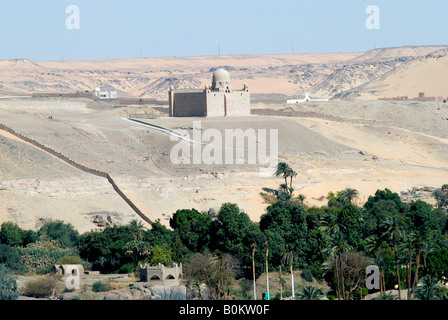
{"x": 126, "y": 268}
{"x": 100, "y": 286}
{"x": 40, "y": 256}
{"x": 8, "y": 284}
{"x": 43, "y": 287}
{"x": 10, "y": 257}
{"x": 307, "y": 275}
{"x": 70, "y": 260}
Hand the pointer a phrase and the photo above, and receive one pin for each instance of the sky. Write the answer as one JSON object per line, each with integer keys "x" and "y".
{"x": 115, "y": 29}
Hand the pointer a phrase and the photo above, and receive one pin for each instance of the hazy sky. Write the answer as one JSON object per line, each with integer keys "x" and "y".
{"x": 113, "y": 29}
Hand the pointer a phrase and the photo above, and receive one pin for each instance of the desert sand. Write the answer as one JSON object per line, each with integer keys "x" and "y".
{"x": 366, "y": 145}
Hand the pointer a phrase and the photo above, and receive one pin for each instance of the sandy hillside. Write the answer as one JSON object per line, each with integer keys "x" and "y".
{"x": 427, "y": 74}
{"x": 402, "y": 145}
{"x": 322, "y": 74}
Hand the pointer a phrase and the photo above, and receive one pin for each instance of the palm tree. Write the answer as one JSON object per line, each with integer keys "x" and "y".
{"x": 309, "y": 293}
{"x": 301, "y": 198}
{"x": 290, "y": 173}
{"x": 419, "y": 240}
{"x": 288, "y": 258}
{"x": 392, "y": 227}
{"x": 407, "y": 245}
{"x": 430, "y": 289}
{"x": 374, "y": 243}
{"x": 282, "y": 171}
{"x": 348, "y": 194}
{"x": 329, "y": 223}
{"x": 137, "y": 229}
{"x": 437, "y": 194}
{"x": 254, "y": 245}
{"x": 267, "y": 269}
{"x": 426, "y": 249}
{"x": 337, "y": 246}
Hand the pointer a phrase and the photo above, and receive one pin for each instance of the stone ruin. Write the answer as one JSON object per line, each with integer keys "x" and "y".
{"x": 161, "y": 274}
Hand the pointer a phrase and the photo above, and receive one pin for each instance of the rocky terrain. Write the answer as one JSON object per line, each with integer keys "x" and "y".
{"x": 362, "y": 144}
{"x": 370, "y": 75}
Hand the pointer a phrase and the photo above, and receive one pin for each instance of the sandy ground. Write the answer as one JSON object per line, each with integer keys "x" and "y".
{"x": 399, "y": 151}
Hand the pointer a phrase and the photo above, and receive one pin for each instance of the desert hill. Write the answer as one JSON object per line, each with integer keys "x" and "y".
{"x": 426, "y": 74}
{"x": 338, "y": 75}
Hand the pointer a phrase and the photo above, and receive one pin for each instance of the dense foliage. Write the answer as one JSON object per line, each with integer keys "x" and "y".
{"x": 407, "y": 241}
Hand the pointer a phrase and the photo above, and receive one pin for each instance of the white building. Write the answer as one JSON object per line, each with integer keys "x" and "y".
{"x": 307, "y": 98}
{"x": 105, "y": 93}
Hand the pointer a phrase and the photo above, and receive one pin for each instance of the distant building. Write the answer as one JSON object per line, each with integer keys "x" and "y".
{"x": 307, "y": 98}
{"x": 105, "y": 93}
{"x": 161, "y": 274}
{"x": 217, "y": 100}
{"x": 421, "y": 97}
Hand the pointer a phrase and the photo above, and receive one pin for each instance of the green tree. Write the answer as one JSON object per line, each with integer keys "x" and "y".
{"x": 348, "y": 194}
{"x": 11, "y": 234}
{"x": 285, "y": 222}
{"x": 64, "y": 233}
{"x": 8, "y": 284}
{"x": 137, "y": 228}
{"x": 392, "y": 227}
{"x": 193, "y": 228}
{"x": 234, "y": 233}
{"x": 337, "y": 246}
{"x": 161, "y": 255}
{"x": 104, "y": 249}
{"x": 10, "y": 257}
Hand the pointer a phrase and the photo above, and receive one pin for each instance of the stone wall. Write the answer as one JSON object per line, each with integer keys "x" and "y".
{"x": 189, "y": 104}
{"x": 215, "y": 104}
{"x": 238, "y": 103}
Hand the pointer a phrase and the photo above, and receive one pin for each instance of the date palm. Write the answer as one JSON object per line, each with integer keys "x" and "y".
{"x": 282, "y": 171}
{"x": 348, "y": 194}
{"x": 337, "y": 246}
{"x": 391, "y": 228}
{"x": 437, "y": 194}
{"x": 288, "y": 258}
{"x": 374, "y": 244}
{"x": 309, "y": 293}
{"x": 430, "y": 289}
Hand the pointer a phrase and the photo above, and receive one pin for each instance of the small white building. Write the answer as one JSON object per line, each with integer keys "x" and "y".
{"x": 105, "y": 93}
{"x": 306, "y": 99}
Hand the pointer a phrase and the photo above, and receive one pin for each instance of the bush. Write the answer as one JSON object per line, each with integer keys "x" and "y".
{"x": 39, "y": 257}
{"x": 307, "y": 275}
{"x": 8, "y": 284}
{"x": 43, "y": 287}
{"x": 70, "y": 260}
{"x": 100, "y": 286}
{"x": 11, "y": 258}
{"x": 126, "y": 268}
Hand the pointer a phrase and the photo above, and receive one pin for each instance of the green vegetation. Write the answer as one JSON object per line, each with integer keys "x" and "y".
{"x": 8, "y": 284}
{"x": 332, "y": 243}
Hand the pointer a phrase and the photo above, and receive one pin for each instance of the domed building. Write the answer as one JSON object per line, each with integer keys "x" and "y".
{"x": 217, "y": 100}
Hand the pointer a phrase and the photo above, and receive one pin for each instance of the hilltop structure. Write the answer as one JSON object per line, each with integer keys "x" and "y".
{"x": 217, "y": 100}
{"x": 161, "y": 274}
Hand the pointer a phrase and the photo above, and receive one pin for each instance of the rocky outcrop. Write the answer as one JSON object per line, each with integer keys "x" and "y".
{"x": 135, "y": 291}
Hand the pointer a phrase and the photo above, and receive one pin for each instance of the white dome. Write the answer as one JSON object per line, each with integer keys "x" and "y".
{"x": 221, "y": 75}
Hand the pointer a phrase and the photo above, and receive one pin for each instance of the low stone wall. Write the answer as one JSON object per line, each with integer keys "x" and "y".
{"x": 78, "y": 166}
